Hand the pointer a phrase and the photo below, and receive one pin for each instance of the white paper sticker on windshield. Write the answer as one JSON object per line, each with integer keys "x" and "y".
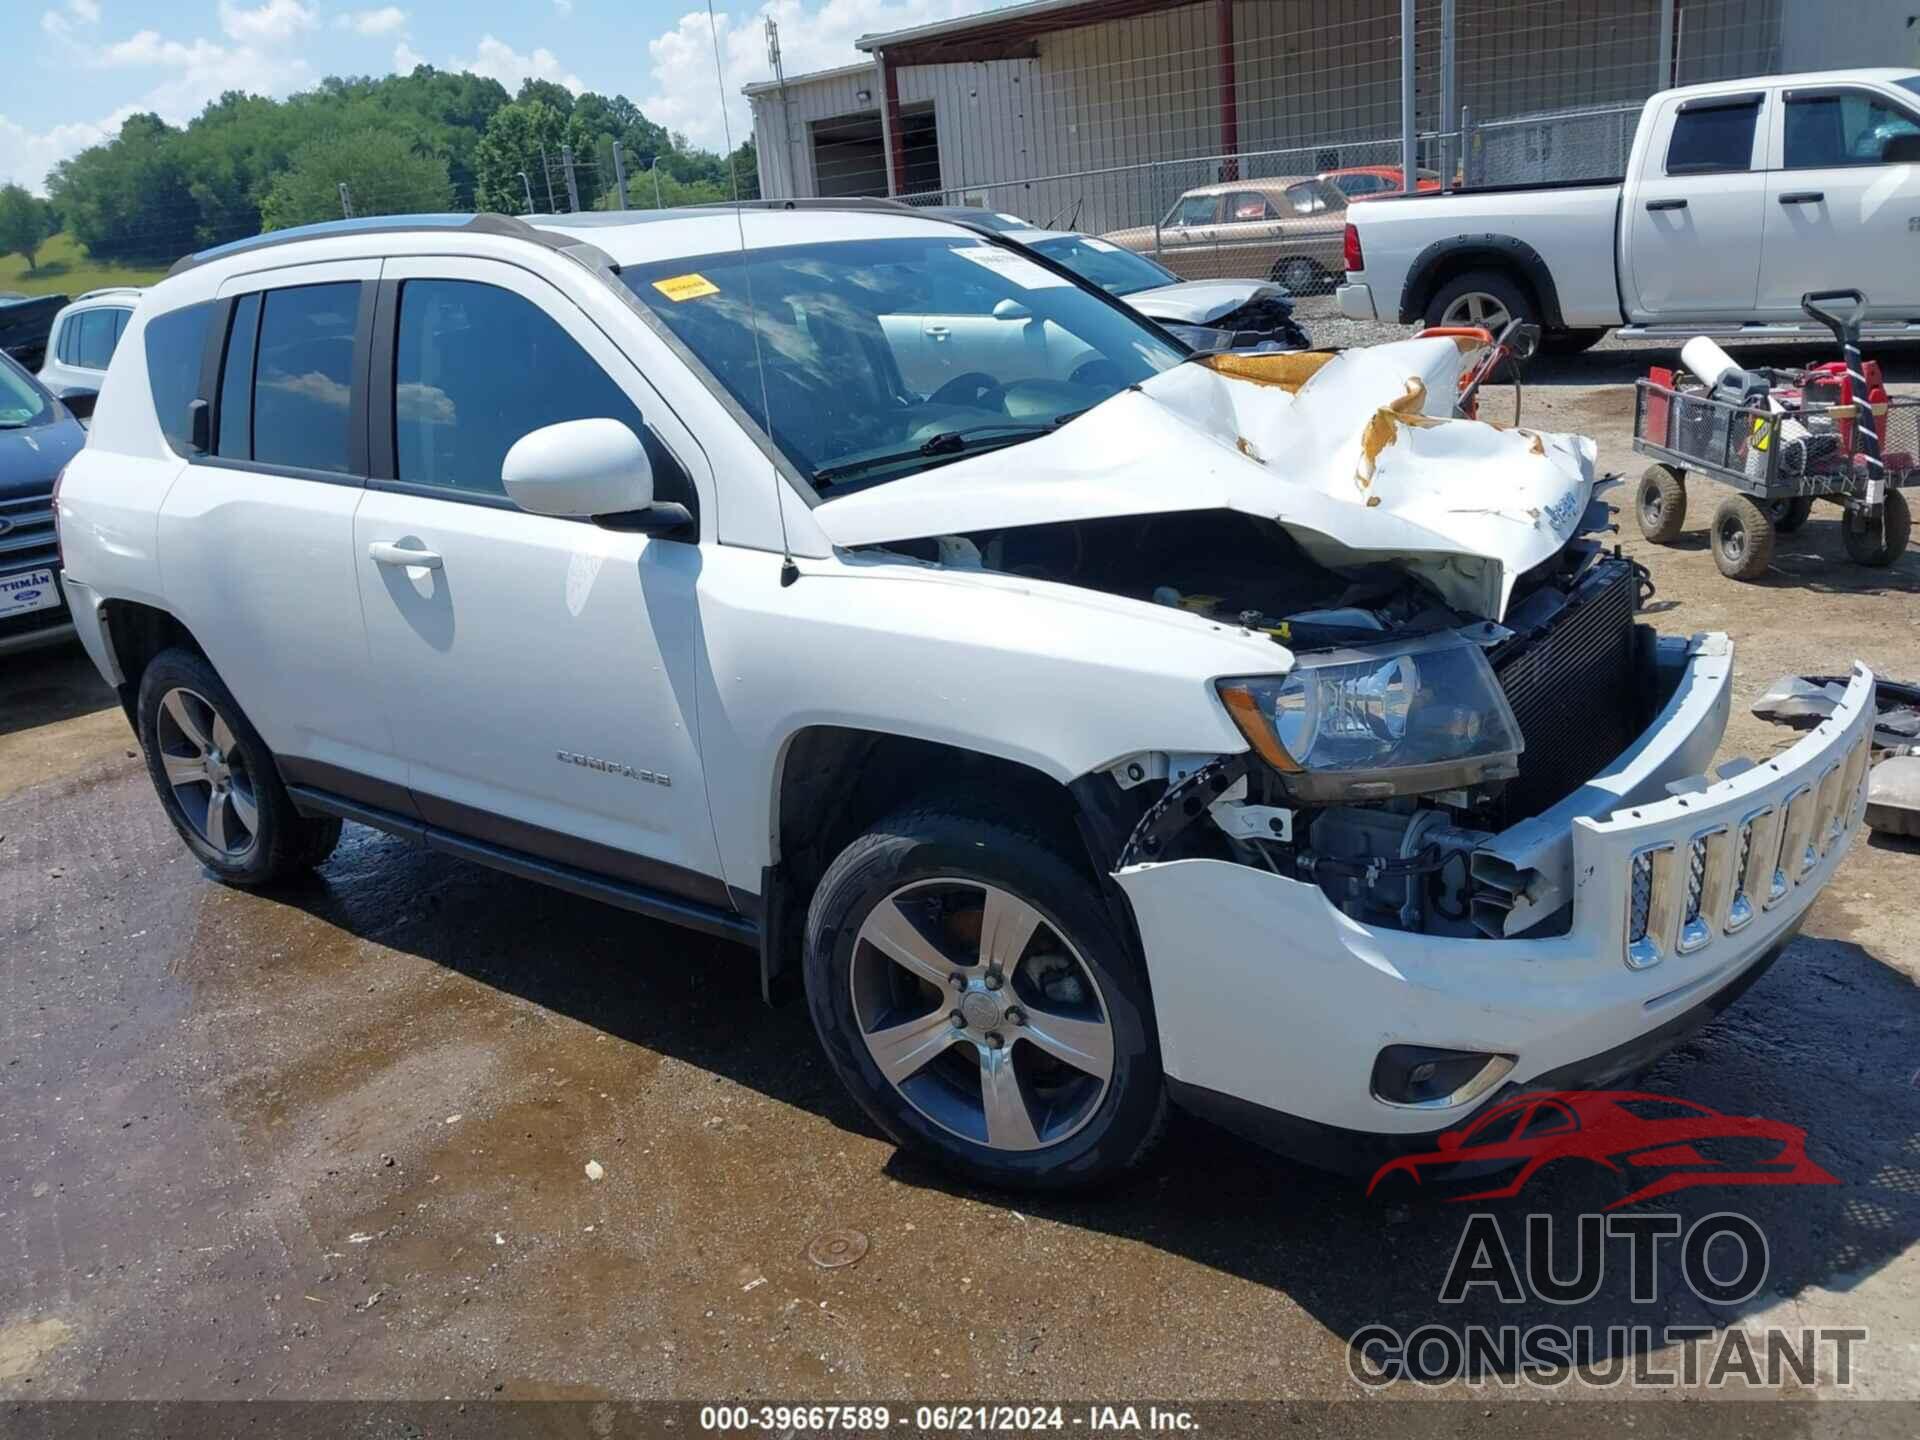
{"x": 1011, "y": 267}
{"x": 1096, "y": 244}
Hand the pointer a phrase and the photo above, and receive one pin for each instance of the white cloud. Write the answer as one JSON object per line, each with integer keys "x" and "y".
{"x": 405, "y": 57}
{"x": 29, "y": 154}
{"x": 61, "y": 22}
{"x": 384, "y": 21}
{"x": 500, "y": 61}
{"x": 149, "y": 47}
{"x": 565, "y": 7}
{"x": 276, "y": 20}
{"x": 813, "y": 36}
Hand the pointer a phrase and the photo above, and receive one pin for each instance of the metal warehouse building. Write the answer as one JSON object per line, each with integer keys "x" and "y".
{"x": 1098, "y": 113}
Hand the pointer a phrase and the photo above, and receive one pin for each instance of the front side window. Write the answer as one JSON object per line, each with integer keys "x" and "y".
{"x": 174, "y": 342}
{"x": 476, "y": 367}
{"x": 1102, "y": 263}
{"x": 303, "y": 377}
{"x": 1717, "y": 138}
{"x": 1852, "y": 128}
{"x": 1194, "y": 210}
{"x": 818, "y": 348}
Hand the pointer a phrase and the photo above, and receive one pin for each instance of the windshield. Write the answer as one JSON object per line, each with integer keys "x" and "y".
{"x": 1117, "y": 271}
{"x": 1911, "y": 83}
{"x": 886, "y": 357}
{"x": 21, "y": 402}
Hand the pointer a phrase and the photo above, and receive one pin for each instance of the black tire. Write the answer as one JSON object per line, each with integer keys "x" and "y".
{"x": 1789, "y": 515}
{"x": 1742, "y": 538}
{"x": 1661, "y": 504}
{"x": 282, "y": 841}
{"x": 1569, "y": 342}
{"x": 947, "y": 844}
{"x": 1865, "y": 548}
{"x": 1307, "y": 278}
{"x": 1512, "y": 297}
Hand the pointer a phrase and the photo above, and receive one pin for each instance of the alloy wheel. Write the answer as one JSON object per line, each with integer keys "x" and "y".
{"x": 207, "y": 772}
{"x": 981, "y": 1014}
{"x": 1476, "y": 307}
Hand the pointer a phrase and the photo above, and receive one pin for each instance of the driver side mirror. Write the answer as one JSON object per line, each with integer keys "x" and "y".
{"x": 1902, "y": 149}
{"x": 1011, "y": 309}
{"x": 595, "y": 469}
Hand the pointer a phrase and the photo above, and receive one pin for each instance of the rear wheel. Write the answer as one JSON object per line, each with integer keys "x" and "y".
{"x": 1789, "y": 515}
{"x": 1485, "y": 298}
{"x": 973, "y": 994}
{"x": 217, "y": 780}
{"x": 1864, "y": 542}
{"x": 1300, "y": 275}
{"x": 1742, "y": 536}
{"x": 1661, "y": 504}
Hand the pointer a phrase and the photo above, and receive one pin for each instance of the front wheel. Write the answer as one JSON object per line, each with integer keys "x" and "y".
{"x": 1661, "y": 504}
{"x": 217, "y": 780}
{"x": 1742, "y": 537}
{"x": 1300, "y": 275}
{"x": 1866, "y": 545}
{"x": 973, "y": 994}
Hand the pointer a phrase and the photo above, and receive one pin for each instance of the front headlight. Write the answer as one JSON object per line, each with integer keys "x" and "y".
{"x": 1364, "y": 724}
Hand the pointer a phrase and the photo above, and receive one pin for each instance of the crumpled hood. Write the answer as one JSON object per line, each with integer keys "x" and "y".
{"x": 1354, "y": 454}
{"x": 1199, "y": 302}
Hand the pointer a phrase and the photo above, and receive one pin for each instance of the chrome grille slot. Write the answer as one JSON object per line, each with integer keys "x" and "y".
{"x": 1759, "y": 840}
{"x": 1709, "y": 887}
{"x": 1792, "y": 858}
{"x": 1655, "y": 899}
{"x": 1826, "y": 815}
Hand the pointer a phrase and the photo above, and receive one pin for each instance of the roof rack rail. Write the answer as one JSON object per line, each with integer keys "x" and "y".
{"x": 851, "y": 202}
{"x": 485, "y": 222}
{"x": 109, "y": 290}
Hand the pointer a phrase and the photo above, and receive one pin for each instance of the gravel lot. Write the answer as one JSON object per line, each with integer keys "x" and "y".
{"x": 331, "y": 1142}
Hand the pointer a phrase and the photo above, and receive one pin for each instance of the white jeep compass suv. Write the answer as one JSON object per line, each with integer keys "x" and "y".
{"x": 1088, "y": 724}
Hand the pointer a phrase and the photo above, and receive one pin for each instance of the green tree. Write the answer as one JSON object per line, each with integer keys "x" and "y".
{"x": 515, "y": 139}
{"x": 25, "y": 223}
{"x": 383, "y": 172}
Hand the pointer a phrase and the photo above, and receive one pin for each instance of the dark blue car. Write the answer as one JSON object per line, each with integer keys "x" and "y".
{"x": 38, "y": 435}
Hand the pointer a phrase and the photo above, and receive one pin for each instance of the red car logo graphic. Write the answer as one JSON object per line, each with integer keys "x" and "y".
{"x": 1677, "y": 1143}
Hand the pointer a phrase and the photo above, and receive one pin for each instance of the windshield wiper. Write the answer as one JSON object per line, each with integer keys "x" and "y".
{"x": 946, "y": 443}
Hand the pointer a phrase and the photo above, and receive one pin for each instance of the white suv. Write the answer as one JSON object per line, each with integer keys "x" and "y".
{"x": 1088, "y": 726}
{"x": 82, "y": 340}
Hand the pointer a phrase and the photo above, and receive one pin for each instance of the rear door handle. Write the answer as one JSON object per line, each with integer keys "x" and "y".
{"x": 1666, "y": 204}
{"x": 1803, "y": 197}
{"x": 385, "y": 552}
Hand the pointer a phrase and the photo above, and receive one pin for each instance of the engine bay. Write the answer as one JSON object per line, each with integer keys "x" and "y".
{"x": 1574, "y": 671}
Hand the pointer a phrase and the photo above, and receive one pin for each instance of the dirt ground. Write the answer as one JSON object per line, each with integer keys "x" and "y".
{"x": 331, "y": 1142}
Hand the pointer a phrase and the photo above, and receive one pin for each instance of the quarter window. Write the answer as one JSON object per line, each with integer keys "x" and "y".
{"x": 174, "y": 342}
{"x": 303, "y": 377}
{"x": 236, "y": 382}
{"x": 1844, "y": 129}
{"x": 475, "y": 368}
{"x": 1716, "y": 138}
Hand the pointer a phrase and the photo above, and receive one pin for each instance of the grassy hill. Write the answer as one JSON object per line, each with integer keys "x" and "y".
{"x": 63, "y": 268}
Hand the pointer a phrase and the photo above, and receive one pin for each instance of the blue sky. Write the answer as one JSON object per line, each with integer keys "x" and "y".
{"x": 87, "y": 64}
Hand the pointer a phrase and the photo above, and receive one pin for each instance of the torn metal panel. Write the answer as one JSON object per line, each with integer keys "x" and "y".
{"x": 1355, "y": 455}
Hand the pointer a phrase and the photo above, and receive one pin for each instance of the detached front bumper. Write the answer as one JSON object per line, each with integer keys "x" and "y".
{"x": 1272, "y": 1002}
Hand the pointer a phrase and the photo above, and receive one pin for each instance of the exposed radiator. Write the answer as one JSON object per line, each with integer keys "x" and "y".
{"x": 1571, "y": 682}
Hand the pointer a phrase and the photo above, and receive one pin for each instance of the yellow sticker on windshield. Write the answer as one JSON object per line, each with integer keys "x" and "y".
{"x": 686, "y": 287}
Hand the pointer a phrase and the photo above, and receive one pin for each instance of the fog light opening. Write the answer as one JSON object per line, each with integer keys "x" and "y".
{"x": 1422, "y": 1077}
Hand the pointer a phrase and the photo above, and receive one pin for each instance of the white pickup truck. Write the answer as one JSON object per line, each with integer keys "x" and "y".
{"x": 1739, "y": 197}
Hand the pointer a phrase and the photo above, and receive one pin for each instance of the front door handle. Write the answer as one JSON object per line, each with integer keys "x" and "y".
{"x": 385, "y": 552}
{"x": 1803, "y": 197}
{"x": 939, "y": 332}
{"x": 1666, "y": 204}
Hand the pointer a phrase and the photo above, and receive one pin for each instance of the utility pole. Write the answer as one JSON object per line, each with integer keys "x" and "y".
{"x": 786, "y": 109}
{"x": 527, "y": 185}
{"x": 655, "y": 168}
{"x": 620, "y": 172}
{"x": 546, "y": 168}
{"x": 346, "y": 200}
{"x": 573, "y": 188}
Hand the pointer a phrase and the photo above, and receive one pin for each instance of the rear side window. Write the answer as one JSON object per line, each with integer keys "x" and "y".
{"x": 475, "y": 368}
{"x": 303, "y": 377}
{"x": 175, "y": 342}
{"x": 1715, "y": 138}
{"x": 99, "y": 329}
{"x": 1246, "y": 205}
{"x": 1846, "y": 129}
